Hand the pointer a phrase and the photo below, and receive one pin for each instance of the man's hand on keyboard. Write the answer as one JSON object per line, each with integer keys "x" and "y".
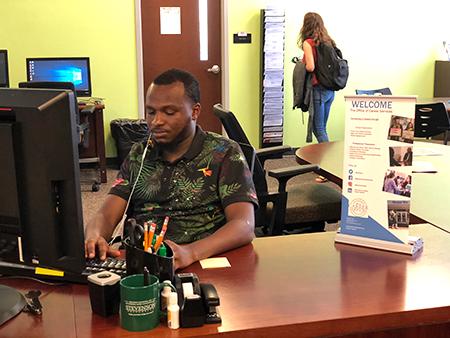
{"x": 98, "y": 245}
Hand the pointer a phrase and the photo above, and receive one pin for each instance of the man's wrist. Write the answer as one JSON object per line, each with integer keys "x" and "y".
{"x": 91, "y": 232}
{"x": 192, "y": 253}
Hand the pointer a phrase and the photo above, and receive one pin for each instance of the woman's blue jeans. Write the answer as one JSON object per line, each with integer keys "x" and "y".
{"x": 323, "y": 98}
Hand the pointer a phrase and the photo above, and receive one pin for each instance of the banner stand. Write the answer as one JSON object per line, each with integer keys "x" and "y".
{"x": 414, "y": 245}
{"x": 377, "y": 180}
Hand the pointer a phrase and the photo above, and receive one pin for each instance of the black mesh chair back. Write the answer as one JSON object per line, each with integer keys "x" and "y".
{"x": 250, "y": 155}
{"x": 231, "y": 124}
{"x": 381, "y": 91}
{"x": 431, "y": 119}
{"x": 308, "y": 206}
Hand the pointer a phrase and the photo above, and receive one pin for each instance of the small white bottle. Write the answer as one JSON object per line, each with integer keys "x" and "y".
{"x": 165, "y": 294}
{"x": 173, "y": 311}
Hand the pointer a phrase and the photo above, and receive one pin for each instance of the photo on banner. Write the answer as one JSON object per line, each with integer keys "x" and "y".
{"x": 377, "y": 184}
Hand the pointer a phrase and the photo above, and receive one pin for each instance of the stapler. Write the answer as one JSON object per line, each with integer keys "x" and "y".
{"x": 210, "y": 302}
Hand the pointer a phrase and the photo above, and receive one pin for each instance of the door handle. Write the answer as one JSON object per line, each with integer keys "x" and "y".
{"x": 215, "y": 69}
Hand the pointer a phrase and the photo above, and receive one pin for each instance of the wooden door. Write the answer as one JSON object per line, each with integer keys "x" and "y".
{"x": 164, "y": 51}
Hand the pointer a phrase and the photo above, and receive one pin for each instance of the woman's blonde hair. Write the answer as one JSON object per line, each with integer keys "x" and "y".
{"x": 313, "y": 28}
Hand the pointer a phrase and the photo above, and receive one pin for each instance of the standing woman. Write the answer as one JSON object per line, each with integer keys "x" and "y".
{"x": 313, "y": 33}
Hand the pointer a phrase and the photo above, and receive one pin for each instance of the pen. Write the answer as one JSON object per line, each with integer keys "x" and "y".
{"x": 146, "y": 276}
{"x": 161, "y": 234}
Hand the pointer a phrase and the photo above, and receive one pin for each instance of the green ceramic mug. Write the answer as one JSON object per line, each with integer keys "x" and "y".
{"x": 139, "y": 303}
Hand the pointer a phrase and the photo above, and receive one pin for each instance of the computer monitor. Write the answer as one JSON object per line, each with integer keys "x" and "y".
{"x": 62, "y": 69}
{"x": 4, "y": 75}
{"x": 41, "y": 223}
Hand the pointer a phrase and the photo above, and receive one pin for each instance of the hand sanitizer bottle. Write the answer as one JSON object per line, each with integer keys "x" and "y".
{"x": 173, "y": 311}
{"x": 165, "y": 294}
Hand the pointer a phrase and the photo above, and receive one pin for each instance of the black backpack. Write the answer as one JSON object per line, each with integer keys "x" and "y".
{"x": 331, "y": 69}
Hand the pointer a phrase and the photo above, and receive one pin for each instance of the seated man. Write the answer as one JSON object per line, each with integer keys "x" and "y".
{"x": 199, "y": 179}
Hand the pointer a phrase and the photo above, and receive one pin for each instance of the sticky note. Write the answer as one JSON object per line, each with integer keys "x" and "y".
{"x": 216, "y": 262}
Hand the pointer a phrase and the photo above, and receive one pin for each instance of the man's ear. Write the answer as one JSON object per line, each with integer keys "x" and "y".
{"x": 196, "y": 108}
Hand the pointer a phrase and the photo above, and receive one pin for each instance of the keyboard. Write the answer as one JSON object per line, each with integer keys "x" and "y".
{"x": 115, "y": 265}
{"x": 118, "y": 266}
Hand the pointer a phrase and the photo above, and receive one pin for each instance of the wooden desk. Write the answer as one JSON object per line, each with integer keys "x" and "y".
{"x": 430, "y": 192}
{"x": 286, "y": 286}
{"x": 95, "y": 152}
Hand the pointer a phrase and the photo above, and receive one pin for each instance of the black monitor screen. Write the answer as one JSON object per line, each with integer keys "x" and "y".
{"x": 41, "y": 220}
{"x": 75, "y": 70}
{"x": 4, "y": 76}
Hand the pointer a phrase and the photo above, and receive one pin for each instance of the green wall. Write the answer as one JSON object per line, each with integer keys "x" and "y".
{"x": 390, "y": 44}
{"x": 244, "y": 66}
{"x": 101, "y": 29}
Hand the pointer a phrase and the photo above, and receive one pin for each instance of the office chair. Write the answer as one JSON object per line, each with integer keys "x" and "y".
{"x": 431, "y": 119}
{"x": 381, "y": 91}
{"x": 293, "y": 208}
{"x": 82, "y": 126}
{"x": 250, "y": 155}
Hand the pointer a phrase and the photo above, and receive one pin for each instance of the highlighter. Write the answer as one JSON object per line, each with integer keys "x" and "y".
{"x": 162, "y": 250}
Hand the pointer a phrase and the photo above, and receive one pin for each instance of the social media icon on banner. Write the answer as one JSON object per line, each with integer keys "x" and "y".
{"x": 350, "y": 171}
{"x": 350, "y": 177}
{"x": 349, "y": 189}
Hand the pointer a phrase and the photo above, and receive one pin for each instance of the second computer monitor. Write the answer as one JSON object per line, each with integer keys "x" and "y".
{"x": 62, "y": 69}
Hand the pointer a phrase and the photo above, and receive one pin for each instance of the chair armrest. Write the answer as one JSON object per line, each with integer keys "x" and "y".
{"x": 271, "y": 152}
{"x": 273, "y": 225}
{"x": 283, "y": 175}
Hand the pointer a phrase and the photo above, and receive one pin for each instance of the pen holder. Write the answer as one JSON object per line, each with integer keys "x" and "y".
{"x": 136, "y": 258}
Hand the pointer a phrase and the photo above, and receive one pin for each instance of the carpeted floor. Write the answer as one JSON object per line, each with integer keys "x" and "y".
{"x": 92, "y": 200}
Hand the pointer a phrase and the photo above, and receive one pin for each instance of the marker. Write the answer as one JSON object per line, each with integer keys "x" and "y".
{"x": 162, "y": 250}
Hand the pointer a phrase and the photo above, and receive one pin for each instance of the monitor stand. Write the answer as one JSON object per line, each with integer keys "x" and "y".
{"x": 12, "y": 303}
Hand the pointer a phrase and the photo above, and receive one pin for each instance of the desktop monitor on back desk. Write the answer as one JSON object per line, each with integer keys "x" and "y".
{"x": 41, "y": 222}
{"x": 62, "y": 69}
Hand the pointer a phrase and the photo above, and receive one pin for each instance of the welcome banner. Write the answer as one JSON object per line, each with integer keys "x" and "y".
{"x": 377, "y": 182}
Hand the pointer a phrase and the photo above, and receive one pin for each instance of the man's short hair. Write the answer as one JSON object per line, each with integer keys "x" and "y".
{"x": 191, "y": 86}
